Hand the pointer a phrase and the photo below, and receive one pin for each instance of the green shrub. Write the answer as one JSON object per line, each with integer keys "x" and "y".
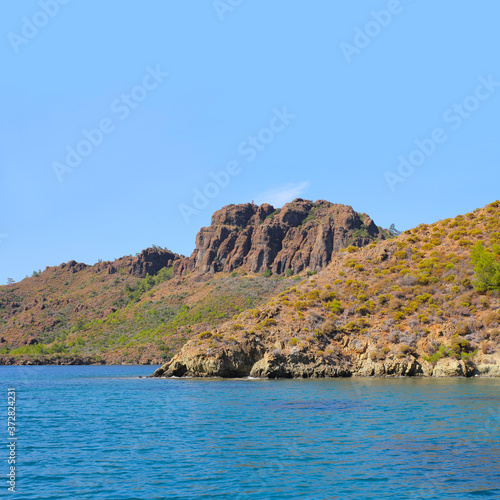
{"x": 486, "y": 269}
{"x": 382, "y": 299}
{"x": 459, "y": 346}
{"x": 440, "y": 353}
{"x": 362, "y": 311}
{"x": 335, "y": 306}
{"x": 425, "y": 297}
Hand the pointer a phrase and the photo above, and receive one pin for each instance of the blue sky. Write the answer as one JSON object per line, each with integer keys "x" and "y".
{"x": 195, "y": 105}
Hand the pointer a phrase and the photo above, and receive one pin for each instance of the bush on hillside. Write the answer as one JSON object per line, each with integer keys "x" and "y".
{"x": 486, "y": 268}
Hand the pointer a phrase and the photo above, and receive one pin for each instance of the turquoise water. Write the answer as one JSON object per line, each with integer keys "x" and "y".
{"x": 102, "y": 432}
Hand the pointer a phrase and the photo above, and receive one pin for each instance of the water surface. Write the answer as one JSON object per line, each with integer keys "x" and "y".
{"x": 102, "y": 432}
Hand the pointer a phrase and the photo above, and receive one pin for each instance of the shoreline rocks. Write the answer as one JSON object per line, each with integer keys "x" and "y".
{"x": 257, "y": 362}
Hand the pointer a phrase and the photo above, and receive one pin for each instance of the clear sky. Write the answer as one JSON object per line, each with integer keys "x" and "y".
{"x": 116, "y": 116}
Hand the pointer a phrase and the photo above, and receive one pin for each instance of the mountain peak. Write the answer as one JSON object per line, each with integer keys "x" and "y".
{"x": 258, "y": 238}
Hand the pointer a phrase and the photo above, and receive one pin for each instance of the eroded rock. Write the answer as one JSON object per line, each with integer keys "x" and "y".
{"x": 301, "y": 235}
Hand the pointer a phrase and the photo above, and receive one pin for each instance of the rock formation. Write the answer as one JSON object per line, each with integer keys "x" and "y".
{"x": 149, "y": 261}
{"x": 301, "y": 235}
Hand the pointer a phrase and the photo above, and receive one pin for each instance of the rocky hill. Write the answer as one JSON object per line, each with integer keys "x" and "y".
{"x": 302, "y": 235}
{"x": 41, "y": 316}
{"x": 143, "y": 308}
{"x": 425, "y": 303}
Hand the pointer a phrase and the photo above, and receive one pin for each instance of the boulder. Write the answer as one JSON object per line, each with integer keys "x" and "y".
{"x": 449, "y": 367}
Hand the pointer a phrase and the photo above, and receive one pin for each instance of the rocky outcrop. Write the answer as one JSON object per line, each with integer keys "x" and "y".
{"x": 254, "y": 359}
{"x": 298, "y": 365}
{"x": 73, "y": 266}
{"x": 149, "y": 261}
{"x": 226, "y": 362}
{"x": 488, "y": 365}
{"x": 408, "y": 367}
{"x": 449, "y": 367}
{"x": 301, "y": 235}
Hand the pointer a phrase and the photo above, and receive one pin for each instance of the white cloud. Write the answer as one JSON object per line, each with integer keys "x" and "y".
{"x": 282, "y": 194}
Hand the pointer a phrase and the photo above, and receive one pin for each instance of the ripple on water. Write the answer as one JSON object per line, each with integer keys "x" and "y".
{"x": 105, "y": 433}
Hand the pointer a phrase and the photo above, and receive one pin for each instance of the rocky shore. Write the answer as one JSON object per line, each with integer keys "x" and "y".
{"x": 272, "y": 360}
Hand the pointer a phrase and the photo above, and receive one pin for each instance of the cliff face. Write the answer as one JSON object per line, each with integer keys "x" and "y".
{"x": 149, "y": 261}
{"x": 301, "y": 235}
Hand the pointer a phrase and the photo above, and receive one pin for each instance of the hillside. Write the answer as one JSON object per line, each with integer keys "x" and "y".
{"x": 143, "y": 308}
{"x": 413, "y": 305}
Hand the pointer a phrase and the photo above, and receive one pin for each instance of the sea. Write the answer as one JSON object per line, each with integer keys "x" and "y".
{"x": 110, "y": 432}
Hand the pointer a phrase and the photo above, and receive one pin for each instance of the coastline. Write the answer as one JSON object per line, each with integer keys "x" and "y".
{"x": 277, "y": 367}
